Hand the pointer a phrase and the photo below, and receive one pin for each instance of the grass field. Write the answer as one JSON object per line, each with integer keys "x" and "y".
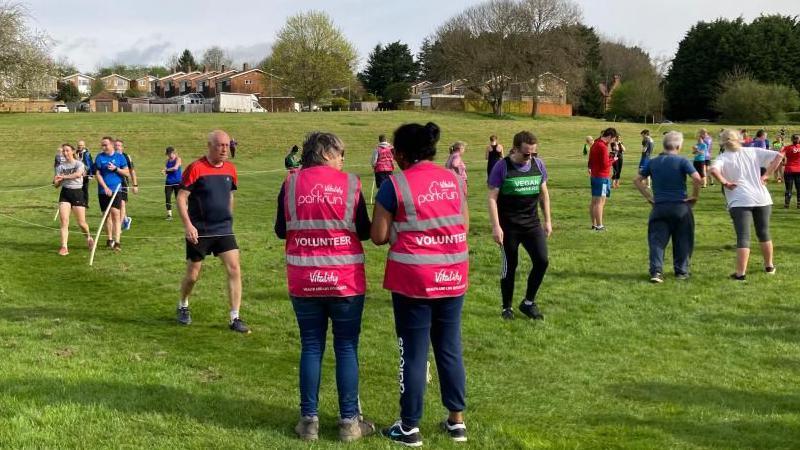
{"x": 92, "y": 357}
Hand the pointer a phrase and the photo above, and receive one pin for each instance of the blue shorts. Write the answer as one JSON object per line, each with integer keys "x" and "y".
{"x": 601, "y": 187}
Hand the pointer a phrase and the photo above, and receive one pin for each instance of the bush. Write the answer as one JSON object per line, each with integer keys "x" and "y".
{"x": 745, "y": 101}
{"x": 340, "y": 104}
{"x": 68, "y": 92}
{"x": 369, "y": 97}
{"x": 397, "y": 92}
{"x": 793, "y": 116}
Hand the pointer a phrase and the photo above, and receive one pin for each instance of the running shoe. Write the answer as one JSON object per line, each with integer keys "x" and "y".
{"x": 507, "y": 314}
{"x": 169, "y": 217}
{"x": 110, "y": 243}
{"x": 307, "y": 428}
{"x": 90, "y": 242}
{"x": 63, "y": 251}
{"x": 184, "y": 315}
{"x": 531, "y": 310}
{"x": 682, "y": 276}
{"x": 410, "y": 437}
{"x": 738, "y": 277}
{"x": 770, "y": 270}
{"x": 657, "y": 278}
{"x": 457, "y": 431}
{"x": 239, "y": 326}
{"x": 600, "y": 228}
{"x": 354, "y": 429}
{"x": 117, "y": 247}
{"x": 126, "y": 223}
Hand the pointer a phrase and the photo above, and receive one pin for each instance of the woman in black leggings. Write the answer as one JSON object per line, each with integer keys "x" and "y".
{"x": 516, "y": 188}
{"x": 494, "y": 153}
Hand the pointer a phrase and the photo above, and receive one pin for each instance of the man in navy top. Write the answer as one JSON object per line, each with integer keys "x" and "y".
{"x": 110, "y": 168}
{"x": 205, "y": 204}
{"x": 672, "y": 215}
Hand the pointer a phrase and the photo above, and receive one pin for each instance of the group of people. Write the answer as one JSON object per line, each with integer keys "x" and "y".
{"x": 115, "y": 174}
{"x": 421, "y": 211}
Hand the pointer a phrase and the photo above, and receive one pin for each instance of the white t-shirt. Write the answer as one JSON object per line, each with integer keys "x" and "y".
{"x": 743, "y": 167}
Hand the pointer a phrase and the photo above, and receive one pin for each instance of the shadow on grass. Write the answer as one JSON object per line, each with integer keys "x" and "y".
{"x": 211, "y": 409}
{"x": 607, "y": 275}
{"x": 778, "y": 322}
{"x": 760, "y": 430}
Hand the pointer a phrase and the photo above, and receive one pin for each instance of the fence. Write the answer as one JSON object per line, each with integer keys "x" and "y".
{"x": 166, "y": 108}
{"x": 27, "y": 106}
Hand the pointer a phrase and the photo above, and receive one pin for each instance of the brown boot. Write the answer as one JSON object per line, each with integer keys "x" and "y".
{"x": 354, "y": 429}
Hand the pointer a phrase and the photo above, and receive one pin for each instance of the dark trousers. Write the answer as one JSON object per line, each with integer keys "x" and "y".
{"x": 169, "y": 191}
{"x": 312, "y": 318}
{"x": 418, "y": 322}
{"x": 617, "y": 167}
{"x": 535, "y": 243}
{"x": 85, "y": 189}
{"x": 671, "y": 221}
{"x": 791, "y": 180}
{"x": 380, "y": 177}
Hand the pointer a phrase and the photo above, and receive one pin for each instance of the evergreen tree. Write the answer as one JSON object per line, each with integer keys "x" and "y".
{"x": 186, "y": 62}
{"x": 387, "y": 65}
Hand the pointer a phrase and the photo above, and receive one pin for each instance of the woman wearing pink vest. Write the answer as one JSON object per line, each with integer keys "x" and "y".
{"x": 382, "y": 161}
{"x": 422, "y": 211}
{"x": 323, "y": 217}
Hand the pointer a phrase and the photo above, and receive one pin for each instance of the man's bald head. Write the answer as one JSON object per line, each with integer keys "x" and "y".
{"x": 218, "y": 146}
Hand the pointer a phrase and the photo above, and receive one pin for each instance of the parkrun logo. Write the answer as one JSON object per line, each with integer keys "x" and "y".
{"x": 328, "y": 193}
{"x": 437, "y": 191}
{"x": 448, "y": 276}
{"x": 323, "y": 277}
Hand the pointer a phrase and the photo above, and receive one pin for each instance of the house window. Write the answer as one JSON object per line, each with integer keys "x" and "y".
{"x": 248, "y": 81}
{"x": 120, "y": 83}
{"x": 142, "y": 83}
{"x": 84, "y": 82}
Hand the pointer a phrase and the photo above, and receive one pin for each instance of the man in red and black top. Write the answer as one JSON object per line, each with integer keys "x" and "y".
{"x": 600, "y": 162}
{"x": 205, "y": 203}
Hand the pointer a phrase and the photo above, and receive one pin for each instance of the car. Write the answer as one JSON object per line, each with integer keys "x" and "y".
{"x": 60, "y": 108}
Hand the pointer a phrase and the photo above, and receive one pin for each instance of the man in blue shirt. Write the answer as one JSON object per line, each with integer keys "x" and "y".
{"x": 110, "y": 168}
{"x": 672, "y": 215}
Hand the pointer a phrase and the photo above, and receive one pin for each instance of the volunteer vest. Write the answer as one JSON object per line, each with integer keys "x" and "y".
{"x": 518, "y": 200}
{"x": 324, "y": 257}
{"x": 385, "y": 162}
{"x": 428, "y": 257}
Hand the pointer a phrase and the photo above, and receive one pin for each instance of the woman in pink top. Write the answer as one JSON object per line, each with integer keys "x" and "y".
{"x": 455, "y": 162}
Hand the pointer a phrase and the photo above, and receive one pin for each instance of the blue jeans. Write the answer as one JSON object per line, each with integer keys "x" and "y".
{"x": 675, "y": 221}
{"x": 312, "y": 318}
{"x": 418, "y": 322}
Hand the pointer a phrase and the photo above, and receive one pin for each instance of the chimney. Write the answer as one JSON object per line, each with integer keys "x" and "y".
{"x": 245, "y": 67}
{"x": 222, "y": 69}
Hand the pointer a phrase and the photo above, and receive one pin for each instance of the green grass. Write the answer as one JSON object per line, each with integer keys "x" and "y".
{"x": 92, "y": 358}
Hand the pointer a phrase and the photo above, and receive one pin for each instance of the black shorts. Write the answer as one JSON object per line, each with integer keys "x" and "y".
{"x": 210, "y": 245}
{"x": 74, "y": 197}
{"x": 699, "y": 166}
{"x": 123, "y": 194}
{"x": 104, "y": 200}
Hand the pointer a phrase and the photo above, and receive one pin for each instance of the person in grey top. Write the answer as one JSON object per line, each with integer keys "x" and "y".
{"x": 69, "y": 176}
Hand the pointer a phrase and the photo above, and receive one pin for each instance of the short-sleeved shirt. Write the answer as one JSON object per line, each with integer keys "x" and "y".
{"x": 70, "y": 168}
{"x": 499, "y": 171}
{"x": 708, "y": 141}
{"x": 792, "y": 154}
{"x": 668, "y": 173}
{"x": 743, "y": 167}
{"x": 702, "y": 151}
{"x": 210, "y": 190}
{"x": 112, "y": 179}
{"x": 599, "y": 160}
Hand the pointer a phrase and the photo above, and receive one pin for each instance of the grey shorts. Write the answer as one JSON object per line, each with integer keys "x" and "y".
{"x": 745, "y": 216}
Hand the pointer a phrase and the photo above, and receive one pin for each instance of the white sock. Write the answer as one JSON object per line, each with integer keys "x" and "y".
{"x": 183, "y": 303}
{"x": 234, "y": 314}
{"x": 528, "y": 302}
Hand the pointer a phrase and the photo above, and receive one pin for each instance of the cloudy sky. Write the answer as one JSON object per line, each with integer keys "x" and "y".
{"x": 91, "y": 33}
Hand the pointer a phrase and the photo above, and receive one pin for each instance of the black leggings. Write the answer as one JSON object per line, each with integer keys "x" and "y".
{"x": 535, "y": 243}
{"x": 791, "y": 180}
{"x": 617, "y": 166}
{"x": 169, "y": 190}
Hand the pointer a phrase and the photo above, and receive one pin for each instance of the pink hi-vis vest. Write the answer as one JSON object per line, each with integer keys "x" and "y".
{"x": 428, "y": 257}
{"x": 385, "y": 162}
{"x": 324, "y": 257}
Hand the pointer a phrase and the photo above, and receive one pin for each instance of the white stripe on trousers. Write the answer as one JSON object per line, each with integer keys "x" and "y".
{"x": 503, "y": 263}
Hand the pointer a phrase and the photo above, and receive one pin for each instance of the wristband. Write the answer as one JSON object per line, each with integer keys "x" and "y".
{"x": 135, "y": 185}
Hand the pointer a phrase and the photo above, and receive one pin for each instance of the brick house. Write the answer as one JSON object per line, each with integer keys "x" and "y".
{"x": 145, "y": 84}
{"x": 166, "y": 87}
{"x": 80, "y": 81}
{"x": 116, "y": 83}
{"x": 248, "y": 81}
{"x": 183, "y": 82}
{"x": 200, "y": 83}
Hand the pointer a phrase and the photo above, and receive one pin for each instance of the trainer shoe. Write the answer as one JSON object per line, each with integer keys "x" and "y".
{"x": 307, "y": 428}
{"x": 531, "y": 310}
{"x": 63, "y": 251}
{"x": 507, "y": 314}
{"x": 90, "y": 242}
{"x": 126, "y": 223}
{"x": 457, "y": 431}
{"x": 117, "y": 247}
{"x": 169, "y": 217}
{"x": 657, "y": 278}
{"x": 682, "y": 276}
{"x": 600, "y": 228}
{"x": 239, "y": 326}
{"x": 770, "y": 270}
{"x": 110, "y": 243}
{"x": 738, "y": 277}
{"x": 354, "y": 429}
{"x": 410, "y": 437}
{"x": 184, "y": 315}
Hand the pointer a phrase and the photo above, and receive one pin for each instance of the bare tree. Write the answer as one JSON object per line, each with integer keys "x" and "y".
{"x": 25, "y": 63}
{"x": 215, "y": 57}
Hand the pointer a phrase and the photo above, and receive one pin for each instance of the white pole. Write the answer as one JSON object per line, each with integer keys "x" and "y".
{"x": 58, "y": 210}
{"x": 100, "y": 227}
